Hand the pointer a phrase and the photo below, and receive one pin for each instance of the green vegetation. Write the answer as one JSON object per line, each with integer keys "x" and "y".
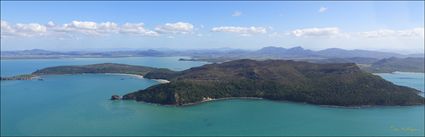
{"x": 326, "y": 84}
{"x": 99, "y": 68}
{"x": 95, "y": 68}
{"x": 372, "y": 65}
{"x": 397, "y": 64}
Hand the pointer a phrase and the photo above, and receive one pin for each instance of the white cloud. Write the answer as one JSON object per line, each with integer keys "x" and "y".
{"x": 26, "y": 30}
{"x": 31, "y": 28}
{"x": 107, "y": 27}
{"x": 237, "y": 14}
{"x": 6, "y": 29}
{"x": 50, "y": 24}
{"x": 243, "y": 31}
{"x": 316, "y": 32}
{"x": 175, "y": 28}
{"x": 82, "y": 25}
{"x": 383, "y": 33}
{"x": 336, "y": 32}
{"x": 74, "y": 29}
{"x": 86, "y": 27}
{"x": 322, "y": 9}
{"x": 103, "y": 28}
{"x": 137, "y": 29}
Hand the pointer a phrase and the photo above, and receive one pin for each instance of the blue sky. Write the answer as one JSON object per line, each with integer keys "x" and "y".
{"x": 392, "y": 26}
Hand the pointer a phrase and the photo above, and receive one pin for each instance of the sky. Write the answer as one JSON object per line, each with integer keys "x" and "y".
{"x": 112, "y": 25}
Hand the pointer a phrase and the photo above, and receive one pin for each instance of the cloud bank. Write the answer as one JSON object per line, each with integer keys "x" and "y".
{"x": 26, "y": 30}
{"x": 384, "y": 33}
{"x": 336, "y": 32}
{"x": 89, "y": 28}
{"x": 75, "y": 27}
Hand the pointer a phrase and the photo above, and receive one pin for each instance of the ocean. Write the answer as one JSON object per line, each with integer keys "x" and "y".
{"x": 80, "y": 105}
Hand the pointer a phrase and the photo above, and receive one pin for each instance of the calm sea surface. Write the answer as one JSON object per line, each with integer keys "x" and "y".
{"x": 79, "y": 105}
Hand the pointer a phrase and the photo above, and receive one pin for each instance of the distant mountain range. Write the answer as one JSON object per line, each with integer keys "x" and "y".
{"x": 266, "y": 52}
{"x": 39, "y": 53}
{"x": 372, "y": 61}
{"x": 299, "y": 52}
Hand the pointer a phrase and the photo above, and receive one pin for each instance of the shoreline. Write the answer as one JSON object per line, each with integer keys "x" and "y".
{"x": 220, "y": 99}
{"x": 120, "y": 74}
{"x": 279, "y": 101}
{"x": 160, "y": 81}
{"x": 400, "y": 72}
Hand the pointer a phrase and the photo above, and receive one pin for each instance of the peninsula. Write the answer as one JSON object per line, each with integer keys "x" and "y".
{"x": 342, "y": 84}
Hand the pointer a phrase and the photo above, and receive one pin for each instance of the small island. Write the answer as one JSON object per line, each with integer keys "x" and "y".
{"x": 94, "y": 68}
{"x": 100, "y": 68}
{"x": 339, "y": 84}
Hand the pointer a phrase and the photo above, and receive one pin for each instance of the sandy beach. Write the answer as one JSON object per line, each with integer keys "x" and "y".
{"x": 132, "y": 75}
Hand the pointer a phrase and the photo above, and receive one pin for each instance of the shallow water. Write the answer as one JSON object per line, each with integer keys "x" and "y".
{"x": 414, "y": 80}
{"x": 79, "y": 105}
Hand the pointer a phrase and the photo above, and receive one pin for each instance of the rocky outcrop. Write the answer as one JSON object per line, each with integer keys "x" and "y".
{"x": 115, "y": 97}
{"x": 19, "y": 77}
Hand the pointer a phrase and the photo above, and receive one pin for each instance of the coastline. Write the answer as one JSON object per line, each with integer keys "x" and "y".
{"x": 219, "y": 99}
{"x": 280, "y": 101}
{"x": 160, "y": 81}
{"x": 23, "y": 77}
{"x": 400, "y": 72}
{"x": 121, "y": 74}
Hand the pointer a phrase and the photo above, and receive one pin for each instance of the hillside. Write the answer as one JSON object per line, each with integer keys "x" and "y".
{"x": 373, "y": 65}
{"x": 325, "y": 84}
{"x": 397, "y": 64}
{"x": 98, "y": 68}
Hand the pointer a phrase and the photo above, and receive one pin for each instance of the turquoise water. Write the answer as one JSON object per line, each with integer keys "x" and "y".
{"x": 79, "y": 105}
{"x": 414, "y": 80}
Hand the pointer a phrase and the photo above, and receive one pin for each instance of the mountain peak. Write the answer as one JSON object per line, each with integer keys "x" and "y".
{"x": 297, "y": 48}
